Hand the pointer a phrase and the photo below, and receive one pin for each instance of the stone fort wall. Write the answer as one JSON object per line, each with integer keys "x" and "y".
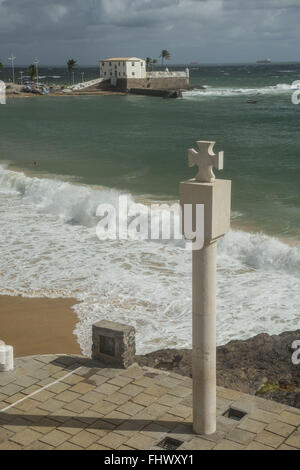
{"x": 157, "y": 83}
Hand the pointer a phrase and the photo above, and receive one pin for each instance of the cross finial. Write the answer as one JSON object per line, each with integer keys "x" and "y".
{"x": 205, "y": 159}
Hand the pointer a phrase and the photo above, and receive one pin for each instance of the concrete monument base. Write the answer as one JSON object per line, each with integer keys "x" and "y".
{"x": 113, "y": 344}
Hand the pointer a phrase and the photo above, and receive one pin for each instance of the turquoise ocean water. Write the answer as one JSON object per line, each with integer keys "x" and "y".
{"x": 91, "y": 148}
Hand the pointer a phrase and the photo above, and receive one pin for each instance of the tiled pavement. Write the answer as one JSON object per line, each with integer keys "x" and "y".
{"x": 69, "y": 402}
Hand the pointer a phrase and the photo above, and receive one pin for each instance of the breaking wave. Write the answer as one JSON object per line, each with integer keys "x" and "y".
{"x": 71, "y": 202}
{"x": 228, "y": 92}
{"x": 49, "y": 248}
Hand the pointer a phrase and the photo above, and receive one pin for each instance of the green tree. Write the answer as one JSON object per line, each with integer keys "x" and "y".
{"x": 149, "y": 62}
{"x": 71, "y": 64}
{"x": 164, "y": 55}
{"x": 32, "y": 71}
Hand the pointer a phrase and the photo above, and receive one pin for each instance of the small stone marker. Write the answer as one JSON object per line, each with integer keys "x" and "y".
{"x": 6, "y": 357}
{"x": 215, "y": 195}
{"x": 113, "y": 344}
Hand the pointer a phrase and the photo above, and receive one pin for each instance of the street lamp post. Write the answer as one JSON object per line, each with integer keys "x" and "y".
{"x": 36, "y": 63}
{"x": 82, "y": 77}
{"x": 12, "y": 59}
{"x": 21, "y": 73}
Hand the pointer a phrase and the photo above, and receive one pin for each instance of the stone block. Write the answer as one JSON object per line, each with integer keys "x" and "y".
{"x": 216, "y": 198}
{"x": 113, "y": 344}
{"x": 269, "y": 439}
{"x": 228, "y": 445}
{"x": 294, "y": 440}
{"x": 289, "y": 418}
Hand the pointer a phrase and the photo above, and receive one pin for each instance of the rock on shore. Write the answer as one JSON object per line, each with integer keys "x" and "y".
{"x": 261, "y": 365}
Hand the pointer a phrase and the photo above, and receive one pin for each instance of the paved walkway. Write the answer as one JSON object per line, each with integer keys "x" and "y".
{"x": 68, "y": 402}
{"x": 83, "y": 85}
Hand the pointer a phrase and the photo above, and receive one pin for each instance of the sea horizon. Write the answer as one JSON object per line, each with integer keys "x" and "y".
{"x": 159, "y": 65}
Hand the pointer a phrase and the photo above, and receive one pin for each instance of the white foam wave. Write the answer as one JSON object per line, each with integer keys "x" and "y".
{"x": 260, "y": 252}
{"x": 145, "y": 284}
{"x": 228, "y": 92}
{"x": 73, "y": 203}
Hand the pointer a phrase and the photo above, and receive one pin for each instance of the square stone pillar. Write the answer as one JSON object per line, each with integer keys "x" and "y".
{"x": 216, "y": 198}
{"x": 113, "y": 344}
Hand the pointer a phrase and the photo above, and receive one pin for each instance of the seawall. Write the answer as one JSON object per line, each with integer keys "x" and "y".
{"x": 155, "y": 92}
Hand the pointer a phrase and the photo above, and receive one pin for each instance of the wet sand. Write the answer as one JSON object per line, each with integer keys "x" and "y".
{"x": 38, "y": 326}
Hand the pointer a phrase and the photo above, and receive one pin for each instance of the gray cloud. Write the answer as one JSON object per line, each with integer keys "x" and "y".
{"x": 204, "y": 30}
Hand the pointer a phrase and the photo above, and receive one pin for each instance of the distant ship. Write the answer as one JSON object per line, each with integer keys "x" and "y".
{"x": 265, "y": 61}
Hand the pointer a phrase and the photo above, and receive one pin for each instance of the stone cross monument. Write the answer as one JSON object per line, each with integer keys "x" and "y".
{"x": 215, "y": 195}
{"x": 205, "y": 159}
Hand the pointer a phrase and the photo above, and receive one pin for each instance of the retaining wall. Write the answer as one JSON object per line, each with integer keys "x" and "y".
{"x": 157, "y": 83}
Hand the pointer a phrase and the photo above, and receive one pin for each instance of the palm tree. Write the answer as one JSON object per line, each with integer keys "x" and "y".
{"x": 164, "y": 55}
{"x": 149, "y": 62}
{"x": 32, "y": 71}
{"x": 71, "y": 64}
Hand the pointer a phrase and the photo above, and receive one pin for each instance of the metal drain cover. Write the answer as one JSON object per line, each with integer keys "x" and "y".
{"x": 169, "y": 443}
{"x": 151, "y": 375}
{"x": 234, "y": 414}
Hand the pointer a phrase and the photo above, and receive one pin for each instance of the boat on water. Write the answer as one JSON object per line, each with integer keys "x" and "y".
{"x": 264, "y": 61}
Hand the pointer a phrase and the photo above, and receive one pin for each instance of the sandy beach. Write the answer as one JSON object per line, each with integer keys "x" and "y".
{"x": 78, "y": 93}
{"x": 38, "y": 326}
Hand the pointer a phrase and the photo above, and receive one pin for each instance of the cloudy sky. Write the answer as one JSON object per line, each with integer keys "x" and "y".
{"x": 208, "y": 31}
